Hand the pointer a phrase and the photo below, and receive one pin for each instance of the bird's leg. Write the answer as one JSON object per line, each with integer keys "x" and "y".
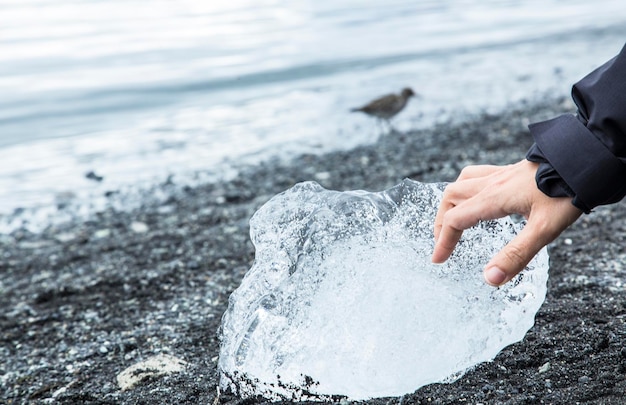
{"x": 380, "y": 127}
{"x": 390, "y": 127}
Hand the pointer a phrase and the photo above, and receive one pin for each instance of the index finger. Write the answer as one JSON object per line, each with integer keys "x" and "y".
{"x": 458, "y": 192}
{"x": 459, "y": 218}
{"x": 453, "y": 223}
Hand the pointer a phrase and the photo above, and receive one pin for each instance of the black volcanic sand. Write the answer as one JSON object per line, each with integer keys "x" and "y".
{"x": 83, "y": 301}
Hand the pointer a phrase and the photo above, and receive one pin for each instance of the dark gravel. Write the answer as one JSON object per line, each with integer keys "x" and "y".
{"x": 82, "y": 301}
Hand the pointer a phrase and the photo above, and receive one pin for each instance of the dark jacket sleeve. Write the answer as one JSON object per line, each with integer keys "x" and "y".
{"x": 584, "y": 156}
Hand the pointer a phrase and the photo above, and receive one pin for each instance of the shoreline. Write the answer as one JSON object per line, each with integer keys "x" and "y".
{"x": 86, "y": 299}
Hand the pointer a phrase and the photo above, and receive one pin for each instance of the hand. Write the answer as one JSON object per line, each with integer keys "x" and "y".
{"x": 490, "y": 192}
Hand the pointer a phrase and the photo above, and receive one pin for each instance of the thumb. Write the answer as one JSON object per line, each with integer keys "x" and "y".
{"x": 514, "y": 257}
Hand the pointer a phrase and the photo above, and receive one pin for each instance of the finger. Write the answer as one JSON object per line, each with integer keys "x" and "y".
{"x": 445, "y": 244}
{"x": 455, "y": 194}
{"x": 515, "y": 256}
{"x": 460, "y": 218}
{"x": 444, "y": 207}
{"x": 542, "y": 228}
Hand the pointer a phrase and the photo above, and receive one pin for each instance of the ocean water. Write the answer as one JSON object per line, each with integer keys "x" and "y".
{"x": 141, "y": 91}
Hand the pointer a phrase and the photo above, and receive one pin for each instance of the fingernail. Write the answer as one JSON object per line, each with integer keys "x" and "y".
{"x": 494, "y": 276}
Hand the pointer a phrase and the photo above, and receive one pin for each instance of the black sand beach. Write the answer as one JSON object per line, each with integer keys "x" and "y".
{"x": 84, "y": 301}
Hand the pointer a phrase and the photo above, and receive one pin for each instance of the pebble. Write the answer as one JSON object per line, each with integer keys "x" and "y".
{"x": 91, "y": 175}
{"x": 139, "y": 227}
{"x": 155, "y": 366}
{"x": 321, "y": 176}
{"x": 488, "y": 388}
{"x": 545, "y": 367}
{"x": 65, "y": 237}
{"x": 35, "y": 244}
{"x": 193, "y": 264}
{"x": 102, "y": 233}
{"x": 584, "y": 379}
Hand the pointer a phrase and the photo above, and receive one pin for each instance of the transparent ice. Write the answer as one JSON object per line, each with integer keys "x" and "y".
{"x": 343, "y": 301}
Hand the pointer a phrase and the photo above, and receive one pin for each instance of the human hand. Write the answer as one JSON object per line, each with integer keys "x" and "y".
{"x": 490, "y": 192}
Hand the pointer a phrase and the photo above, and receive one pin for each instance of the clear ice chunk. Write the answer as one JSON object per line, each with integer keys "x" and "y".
{"x": 343, "y": 301}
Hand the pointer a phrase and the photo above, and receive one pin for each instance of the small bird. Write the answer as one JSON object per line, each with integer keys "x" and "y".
{"x": 386, "y": 107}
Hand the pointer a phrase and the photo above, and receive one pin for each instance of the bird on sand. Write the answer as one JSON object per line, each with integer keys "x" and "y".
{"x": 386, "y": 107}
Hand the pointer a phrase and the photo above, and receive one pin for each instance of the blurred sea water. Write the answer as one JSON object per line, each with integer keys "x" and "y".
{"x": 141, "y": 91}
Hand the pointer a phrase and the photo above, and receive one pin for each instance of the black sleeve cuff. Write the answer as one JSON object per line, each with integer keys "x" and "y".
{"x": 548, "y": 180}
{"x": 574, "y": 162}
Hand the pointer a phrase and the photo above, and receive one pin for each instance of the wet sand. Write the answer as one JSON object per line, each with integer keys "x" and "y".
{"x": 83, "y": 301}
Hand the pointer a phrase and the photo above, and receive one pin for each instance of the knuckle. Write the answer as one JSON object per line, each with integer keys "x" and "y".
{"x": 543, "y": 228}
{"x": 516, "y": 255}
{"x": 451, "y": 192}
{"x": 466, "y": 173}
{"x": 448, "y": 193}
{"x": 449, "y": 219}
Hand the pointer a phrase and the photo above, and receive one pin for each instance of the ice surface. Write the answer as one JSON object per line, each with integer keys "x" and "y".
{"x": 342, "y": 299}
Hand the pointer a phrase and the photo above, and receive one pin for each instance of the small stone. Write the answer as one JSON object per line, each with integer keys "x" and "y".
{"x": 65, "y": 237}
{"x": 91, "y": 175}
{"x": 155, "y": 366}
{"x": 602, "y": 343}
{"x": 139, "y": 227}
{"x": 102, "y": 233}
{"x": 567, "y": 241}
{"x": 34, "y": 244}
{"x": 584, "y": 379}
{"x": 545, "y": 367}
{"x": 193, "y": 265}
{"x": 166, "y": 209}
{"x": 321, "y": 176}
{"x": 60, "y": 391}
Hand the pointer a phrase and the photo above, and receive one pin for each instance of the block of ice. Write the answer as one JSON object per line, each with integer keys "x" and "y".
{"x": 342, "y": 299}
